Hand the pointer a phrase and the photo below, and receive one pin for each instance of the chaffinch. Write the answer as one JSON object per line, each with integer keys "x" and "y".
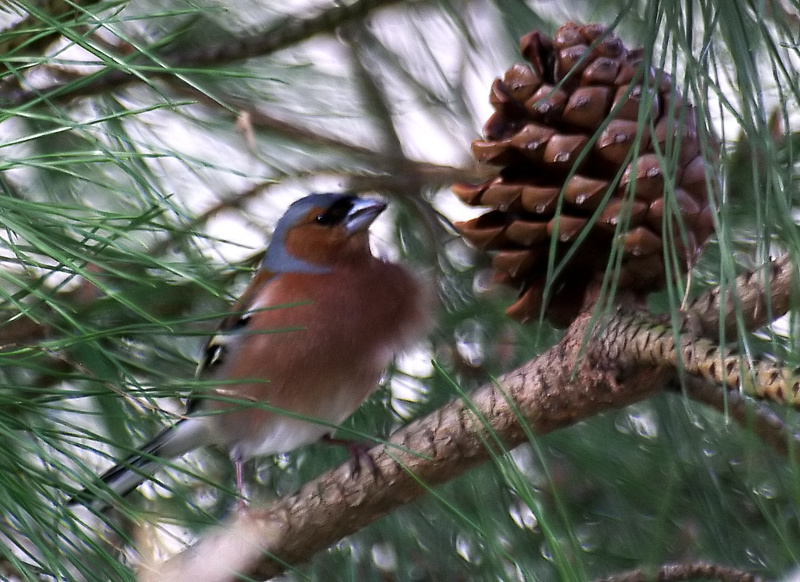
{"x": 311, "y": 335}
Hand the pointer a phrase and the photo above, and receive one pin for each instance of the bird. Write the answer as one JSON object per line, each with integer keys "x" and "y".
{"x": 306, "y": 343}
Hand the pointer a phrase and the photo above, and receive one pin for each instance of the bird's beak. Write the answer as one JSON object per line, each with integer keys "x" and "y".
{"x": 362, "y": 214}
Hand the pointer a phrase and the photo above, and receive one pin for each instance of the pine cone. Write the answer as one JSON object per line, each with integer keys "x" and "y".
{"x": 585, "y": 136}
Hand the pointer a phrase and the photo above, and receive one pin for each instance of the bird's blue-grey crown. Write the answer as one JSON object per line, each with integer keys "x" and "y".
{"x": 352, "y": 212}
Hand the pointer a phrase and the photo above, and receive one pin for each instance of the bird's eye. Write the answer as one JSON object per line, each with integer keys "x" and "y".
{"x": 336, "y": 213}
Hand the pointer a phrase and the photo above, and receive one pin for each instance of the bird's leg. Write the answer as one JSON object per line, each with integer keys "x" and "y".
{"x": 238, "y": 464}
{"x": 358, "y": 450}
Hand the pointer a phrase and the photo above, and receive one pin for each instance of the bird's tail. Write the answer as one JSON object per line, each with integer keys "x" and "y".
{"x": 125, "y": 476}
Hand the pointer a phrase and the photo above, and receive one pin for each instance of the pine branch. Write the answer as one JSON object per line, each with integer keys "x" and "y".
{"x": 30, "y": 35}
{"x": 608, "y": 362}
{"x": 566, "y": 384}
{"x": 287, "y": 32}
{"x": 685, "y": 571}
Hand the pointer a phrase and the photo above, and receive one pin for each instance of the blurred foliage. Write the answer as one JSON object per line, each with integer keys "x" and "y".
{"x": 137, "y": 194}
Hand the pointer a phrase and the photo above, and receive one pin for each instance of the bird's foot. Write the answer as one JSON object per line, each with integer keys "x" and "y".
{"x": 359, "y": 451}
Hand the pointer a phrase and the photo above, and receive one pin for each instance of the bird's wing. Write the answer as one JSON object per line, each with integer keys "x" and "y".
{"x": 215, "y": 349}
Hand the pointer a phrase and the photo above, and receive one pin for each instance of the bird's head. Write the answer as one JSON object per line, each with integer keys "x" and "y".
{"x": 320, "y": 231}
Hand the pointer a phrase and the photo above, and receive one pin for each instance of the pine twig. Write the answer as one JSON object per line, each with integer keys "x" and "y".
{"x": 259, "y": 119}
{"x": 760, "y": 296}
{"x": 767, "y": 425}
{"x": 640, "y": 340}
